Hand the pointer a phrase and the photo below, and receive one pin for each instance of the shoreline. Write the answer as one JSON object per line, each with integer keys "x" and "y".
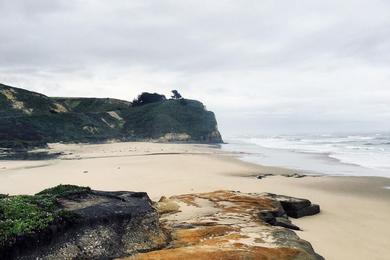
{"x": 304, "y": 161}
{"x": 353, "y": 223}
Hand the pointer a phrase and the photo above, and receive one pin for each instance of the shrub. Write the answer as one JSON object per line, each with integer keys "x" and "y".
{"x": 147, "y": 98}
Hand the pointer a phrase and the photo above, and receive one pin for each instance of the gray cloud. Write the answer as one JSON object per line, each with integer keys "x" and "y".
{"x": 287, "y": 65}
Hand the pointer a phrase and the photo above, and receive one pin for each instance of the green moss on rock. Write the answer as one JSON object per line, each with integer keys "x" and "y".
{"x": 64, "y": 191}
{"x": 22, "y": 215}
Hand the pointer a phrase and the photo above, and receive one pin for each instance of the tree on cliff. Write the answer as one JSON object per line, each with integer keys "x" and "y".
{"x": 176, "y": 95}
{"x": 147, "y": 98}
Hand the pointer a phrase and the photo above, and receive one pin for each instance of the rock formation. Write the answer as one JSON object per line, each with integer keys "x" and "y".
{"x": 71, "y": 222}
{"x": 296, "y": 207}
{"x": 90, "y": 225}
{"x": 228, "y": 225}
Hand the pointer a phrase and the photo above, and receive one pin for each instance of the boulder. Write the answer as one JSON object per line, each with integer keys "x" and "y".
{"x": 306, "y": 211}
{"x": 263, "y": 175}
{"x": 296, "y": 207}
{"x": 104, "y": 225}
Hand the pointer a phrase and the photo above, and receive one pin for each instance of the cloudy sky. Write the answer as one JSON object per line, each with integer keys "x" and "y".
{"x": 264, "y": 66}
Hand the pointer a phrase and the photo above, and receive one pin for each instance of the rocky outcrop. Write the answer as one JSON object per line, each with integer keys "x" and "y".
{"x": 296, "y": 207}
{"x": 175, "y": 137}
{"x": 103, "y": 225}
{"x": 287, "y": 175}
{"x": 212, "y": 137}
{"x": 87, "y": 224}
{"x": 277, "y": 217}
{"x": 228, "y": 225}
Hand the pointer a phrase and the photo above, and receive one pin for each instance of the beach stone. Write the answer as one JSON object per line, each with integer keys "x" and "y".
{"x": 263, "y": 175}
{"x": 295, "y": 175}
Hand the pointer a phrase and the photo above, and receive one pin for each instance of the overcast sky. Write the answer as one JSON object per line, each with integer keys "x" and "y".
{"x": 264, "y": 66}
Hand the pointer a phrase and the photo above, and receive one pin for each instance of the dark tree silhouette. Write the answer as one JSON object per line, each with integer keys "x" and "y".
{"x": 146, "y": 98}
{"x": 176, "y": 95}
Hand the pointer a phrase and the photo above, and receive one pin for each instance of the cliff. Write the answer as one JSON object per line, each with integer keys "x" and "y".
{"x": 31, "y": 119}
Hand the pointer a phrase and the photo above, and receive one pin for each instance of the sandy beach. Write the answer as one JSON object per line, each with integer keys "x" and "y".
{"x": 353, "y": 223}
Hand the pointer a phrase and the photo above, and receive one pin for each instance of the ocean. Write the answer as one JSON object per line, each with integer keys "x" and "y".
{"x": 354, "y": 154}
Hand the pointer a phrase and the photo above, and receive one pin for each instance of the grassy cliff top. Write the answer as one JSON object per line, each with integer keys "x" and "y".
{"x": 93, "y": 105}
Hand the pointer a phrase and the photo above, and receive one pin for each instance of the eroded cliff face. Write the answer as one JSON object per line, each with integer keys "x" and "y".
{"x": 212, "y": 137}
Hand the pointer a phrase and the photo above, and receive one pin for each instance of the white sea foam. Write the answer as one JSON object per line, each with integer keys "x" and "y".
{"x": 366, "y": 151}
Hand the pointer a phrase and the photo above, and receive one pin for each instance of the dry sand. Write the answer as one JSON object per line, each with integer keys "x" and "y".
{"x": 353, "y": 224}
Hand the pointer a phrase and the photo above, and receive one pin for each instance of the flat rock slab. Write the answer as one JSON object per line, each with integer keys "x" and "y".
{"x": 228, "y": 225}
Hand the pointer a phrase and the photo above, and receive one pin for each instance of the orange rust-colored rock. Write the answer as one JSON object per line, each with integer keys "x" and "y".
{"x": 200, "y": 235}
{"x": 226, "y": 225}
{"x": 225, "y": 254}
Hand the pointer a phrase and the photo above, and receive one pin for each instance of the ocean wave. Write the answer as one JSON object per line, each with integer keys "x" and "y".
{"x": 368, "y": 151}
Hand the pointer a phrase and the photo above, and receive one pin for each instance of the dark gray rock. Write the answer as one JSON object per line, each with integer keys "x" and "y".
{"x": 290, "y": 239}
{"x": 296, "y": 207}
{"x": 303, "y": 212}
{"x": 108, "y": 225}
{"x": 263, "y": 175}
{"x": 267, "y": 217}
{"x": 285, "y": 222}
{"x": 295, "y": 175}
{"x": 277, "y": 217}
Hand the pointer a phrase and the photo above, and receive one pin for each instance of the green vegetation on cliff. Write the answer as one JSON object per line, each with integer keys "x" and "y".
{"x": 171, "y": 116}
{"x": 93, "y": 105}
{"x": 30, "y": 119}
